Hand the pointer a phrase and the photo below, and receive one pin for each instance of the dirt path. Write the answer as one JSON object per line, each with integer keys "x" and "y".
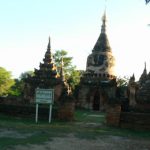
{"x": 104, "y": 143}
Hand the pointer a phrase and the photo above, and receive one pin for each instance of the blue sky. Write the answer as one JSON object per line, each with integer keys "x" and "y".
{"x": 74, "y": 25}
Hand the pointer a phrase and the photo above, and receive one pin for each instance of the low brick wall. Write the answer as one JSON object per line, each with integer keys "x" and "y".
{"x": 113, "y": 115}
{"x": 66, "y": 112}
{"x": 27, "y": 111}
{"x": 132, "y": 120}
{"x": 143, "y": 108}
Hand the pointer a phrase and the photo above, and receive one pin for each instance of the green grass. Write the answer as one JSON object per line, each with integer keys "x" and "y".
{"x": 87, "y": 125}
{"x": 6, "y": 142}
{"x": 89, "y": 116}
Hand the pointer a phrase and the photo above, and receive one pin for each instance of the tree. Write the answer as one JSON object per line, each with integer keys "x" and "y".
{"x": 25, "y": 75}
{"x": 74, "y": 78}
{"x": 18, "y": 88}
{"x": 122, "y": 81}
{"x": 67, "y": 62}
{"x": 71, "y": 74}
{"x": 6, "y": 81}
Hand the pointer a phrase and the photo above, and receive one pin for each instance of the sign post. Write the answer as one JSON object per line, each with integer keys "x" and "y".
{"x": 36, "y": 116}
{"x": 44, "y": 96}
{"x": 50, "y": 113}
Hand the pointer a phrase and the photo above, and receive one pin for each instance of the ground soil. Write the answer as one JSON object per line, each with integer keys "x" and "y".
{"x": 70, "y": 142}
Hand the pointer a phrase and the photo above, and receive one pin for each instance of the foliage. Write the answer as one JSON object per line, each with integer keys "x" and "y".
{"x": 67, "y": 62}
{"x": 18, "y": 87}
{"x": 6, "y": 81}
{"x": 74, "y": 78}
{"x": 122, "y": 81}
{"x": 25, "y": 75}
{"x": 71, "y": 74}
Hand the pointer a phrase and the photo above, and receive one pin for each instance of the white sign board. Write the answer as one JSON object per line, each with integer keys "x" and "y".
{"x": 44, "y": 96}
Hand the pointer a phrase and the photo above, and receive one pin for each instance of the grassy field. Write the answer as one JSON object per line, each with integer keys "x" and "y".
{"x": 87, "y": 125}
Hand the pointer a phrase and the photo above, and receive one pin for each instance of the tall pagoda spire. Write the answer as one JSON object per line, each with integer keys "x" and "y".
{"x": 145, "y": 70}
{"x": 144, "y": 75}
{"x": 48, "y": 54}
{"x": 103, "y": 28}
{"x": 49, "y": 44}
{"x": 102, "y": 43}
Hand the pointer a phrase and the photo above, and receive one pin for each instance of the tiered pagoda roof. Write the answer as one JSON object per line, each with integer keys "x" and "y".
{"x": 46, "y": 76}
{"x": 143, "y": 77}
{"x": 143, "y": 93}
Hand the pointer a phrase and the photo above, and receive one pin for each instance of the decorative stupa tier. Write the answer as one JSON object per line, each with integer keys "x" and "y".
{"x": 46, "y": 76}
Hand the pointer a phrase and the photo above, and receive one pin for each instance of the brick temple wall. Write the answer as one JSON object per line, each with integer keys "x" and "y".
{"x": 133, "y": 120}
{"x": 66, "y": 112}
{"x": 113, "y": 115}
{"x": 129, "y": 120}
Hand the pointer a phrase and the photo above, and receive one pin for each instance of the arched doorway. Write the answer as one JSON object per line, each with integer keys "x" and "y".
{"x": 96, "y": 101}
